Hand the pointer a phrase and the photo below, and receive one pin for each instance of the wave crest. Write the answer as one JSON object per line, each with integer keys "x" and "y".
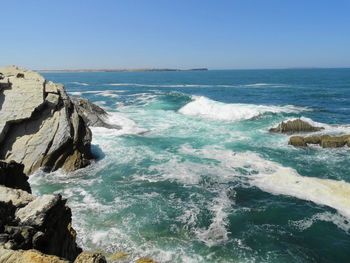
{"x": 209, "y": 109}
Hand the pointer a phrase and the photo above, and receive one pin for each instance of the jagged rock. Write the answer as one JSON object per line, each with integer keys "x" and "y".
{"x": 11, "y": 175}
{"x": 17, "y": 197}
{"x": 92, "y": 114}
{"x": 325, "y": 141}
{"x": 27, "y": 256}
{"x": 295, "y": 126}
{"x": 42, "y": 223}
{"x": 39, "y": 125}
{"x": 90, "y": 257}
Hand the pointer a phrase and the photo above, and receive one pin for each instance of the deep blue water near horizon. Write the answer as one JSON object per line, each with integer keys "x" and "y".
{"x": 195, "y": 176}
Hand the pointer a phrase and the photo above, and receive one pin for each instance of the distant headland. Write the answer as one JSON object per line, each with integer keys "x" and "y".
{"x": 121, "y": 70}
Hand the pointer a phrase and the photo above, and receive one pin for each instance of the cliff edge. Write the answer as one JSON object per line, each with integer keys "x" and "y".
{"x": 39, "y": 124}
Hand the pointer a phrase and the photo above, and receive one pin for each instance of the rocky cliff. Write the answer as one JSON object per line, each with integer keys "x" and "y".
{"x": 35, "y": 229}
{"x": 39, "y": 124}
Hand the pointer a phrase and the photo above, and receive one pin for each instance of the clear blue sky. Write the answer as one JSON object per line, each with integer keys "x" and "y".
{"x": 218, "y": 34}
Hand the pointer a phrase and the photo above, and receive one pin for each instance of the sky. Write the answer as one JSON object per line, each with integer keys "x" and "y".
{"x": 217, "y": 34}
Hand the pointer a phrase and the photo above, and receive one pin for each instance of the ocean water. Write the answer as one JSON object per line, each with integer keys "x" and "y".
{"x": 195, "y": 176}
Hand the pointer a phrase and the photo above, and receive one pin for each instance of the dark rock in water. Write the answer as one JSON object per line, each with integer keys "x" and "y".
{"x": 334, "y": 142}
{"x": 90, "y": 257}
{"x": 295, "y": 126}
{"x": 297, "y": 141}
{"x": 92, "y": 114}
{"x": 11, "y": 175}
{"x": 39, "y": 125}
{"x": 325, "y": 141}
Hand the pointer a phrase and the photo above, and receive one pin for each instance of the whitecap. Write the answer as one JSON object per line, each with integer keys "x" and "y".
{"x": 209, "y": 109}
{"x": 79, "y": 83}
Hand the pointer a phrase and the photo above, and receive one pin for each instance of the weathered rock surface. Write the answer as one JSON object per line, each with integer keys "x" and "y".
{"x": 39, "y": 125}
{"x": 11, "y": 175}
{"x": 325, "y": 141}
{"x": 90, "y": 257}
{"x": 28, "y": 222}
{"x": 27, "y": 256}
{"x": 295, "y": 126}
{"x": 92, "y": 114}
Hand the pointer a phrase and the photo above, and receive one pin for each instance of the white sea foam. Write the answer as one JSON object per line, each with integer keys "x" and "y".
{"x": 209, "y": 109}
{"x": 75, "y": 93}
{"x": 276, "y": 179}
{"x": 128, "y": 126}
{"x": 79, "y": 83}
{"x": 253, "y": 85}
{"x": 337, "y": 219}
{"x": 217, "y": 231}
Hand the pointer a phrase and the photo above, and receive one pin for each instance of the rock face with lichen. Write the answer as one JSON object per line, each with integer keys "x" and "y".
{"x": 39, "y": 124}
{"x": 295, "y": 126}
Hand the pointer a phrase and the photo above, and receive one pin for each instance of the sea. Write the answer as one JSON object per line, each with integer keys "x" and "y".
{"x": 194, "y": 175}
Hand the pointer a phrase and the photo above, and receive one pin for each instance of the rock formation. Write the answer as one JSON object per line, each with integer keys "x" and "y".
{"x": 295, "y": 126}
{"x": 39, "y": 124}
{"x": 92, "y": 114}
{"x": 36, "y": 229}
{"x": 325, "y": 141}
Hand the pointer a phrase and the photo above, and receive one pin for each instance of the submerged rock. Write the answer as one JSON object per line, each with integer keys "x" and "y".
{"x": 295, "y": 126}
{"x": 92, "y": 114}
{"x": 39, "y": 124}
{"x": 325, "y": 141}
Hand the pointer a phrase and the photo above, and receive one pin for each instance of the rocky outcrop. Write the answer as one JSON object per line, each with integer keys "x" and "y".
{"x": 295, "y": 126}
{"x": 11, "y": 175}
{"x": 36, "y": 229}
{"x": 39, "y": 124}
{"x": 325, "y": 141}
{"x": 92, "y": 114}
{"x": 42, "y": 223}
{"x": 27, "y": 256}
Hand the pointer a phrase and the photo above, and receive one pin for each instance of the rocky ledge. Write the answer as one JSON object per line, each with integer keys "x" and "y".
{"x": 39, "y": 124}
{"x": 35, "y": 229}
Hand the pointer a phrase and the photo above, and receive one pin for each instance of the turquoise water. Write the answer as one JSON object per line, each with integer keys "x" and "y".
{"x": 194, "y": 175}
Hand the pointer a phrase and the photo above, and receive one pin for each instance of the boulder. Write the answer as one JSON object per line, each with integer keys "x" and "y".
{"x": 39, "y": 124}
{"x": 90, "y": 257}
{"x": 295, "y": 126}
{"x": 42, "y": 223}
{"x": 92, "y": 114}
{"x": 297, "y": 141}
{"x": 333, "y": 142}
{"x": 325, "y": 141}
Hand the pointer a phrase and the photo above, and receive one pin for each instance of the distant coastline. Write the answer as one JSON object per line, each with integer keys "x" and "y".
{"x": 120, "y": 70}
